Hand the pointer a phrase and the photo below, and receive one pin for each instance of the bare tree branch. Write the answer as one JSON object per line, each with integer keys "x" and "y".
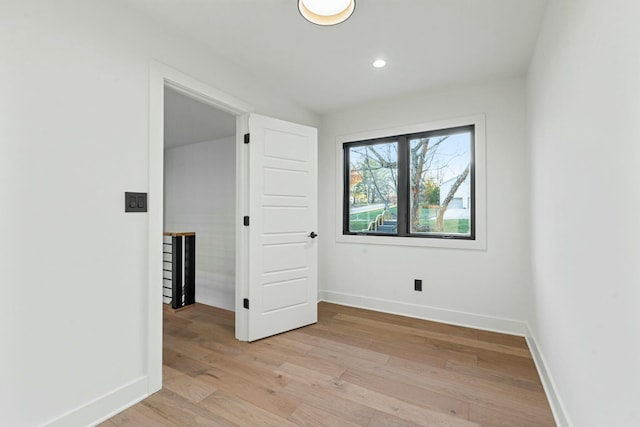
{"x": 447, "y": 200}
{"x": 384, "y": 162}
{"x": 375, "y": 183}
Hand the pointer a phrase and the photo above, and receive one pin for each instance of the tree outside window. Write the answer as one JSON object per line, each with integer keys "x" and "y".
{"x": 411, "y": 185}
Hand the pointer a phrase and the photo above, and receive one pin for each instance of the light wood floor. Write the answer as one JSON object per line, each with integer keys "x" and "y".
{"x": 353, "y": 368}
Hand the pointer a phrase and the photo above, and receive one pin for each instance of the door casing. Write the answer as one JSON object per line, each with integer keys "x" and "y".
{"x": 162, "y": 76}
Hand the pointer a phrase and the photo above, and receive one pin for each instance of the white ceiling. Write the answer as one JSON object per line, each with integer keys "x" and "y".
{"x": 428, "y": 44}
{"x": 187, "y": 121}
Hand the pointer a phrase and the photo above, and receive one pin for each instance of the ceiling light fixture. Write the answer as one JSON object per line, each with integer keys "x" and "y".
{"x": 326, "y": 12}
{"x": 379, "y": 63}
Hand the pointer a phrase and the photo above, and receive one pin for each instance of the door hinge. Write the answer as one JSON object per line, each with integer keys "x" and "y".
{"x": 246, "y": 220}
{"x": 246, "y": 138}
{"x": 245, "y": 303}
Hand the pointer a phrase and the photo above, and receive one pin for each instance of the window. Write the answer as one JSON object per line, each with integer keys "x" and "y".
{"x": 412, "y": 185}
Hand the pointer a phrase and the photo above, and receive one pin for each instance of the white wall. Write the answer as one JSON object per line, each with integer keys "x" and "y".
{"x": 199, "y": 195}
{"x": 74, "y": 123}
{"x": 584, "y": 100}
{"x": 482, "y": 288}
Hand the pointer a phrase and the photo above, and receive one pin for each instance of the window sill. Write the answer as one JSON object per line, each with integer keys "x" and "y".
{"x": 425, "y": 242}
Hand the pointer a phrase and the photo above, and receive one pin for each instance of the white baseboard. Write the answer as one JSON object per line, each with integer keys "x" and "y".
{"x": 218, "y": 303}
{"x": 459, "y": 318}
{"x": 557, "y": 407}
{"x": 104, "y": 407}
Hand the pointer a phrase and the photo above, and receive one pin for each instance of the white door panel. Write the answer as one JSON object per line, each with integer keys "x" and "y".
{"x": 281, "y": 144}
{"x": 288, "y": 183}
{"x": 284, "y": 257}
{"x": 283, "y": 283}
{"x": 285, "y": 219}
{"x": 285, "y": 294}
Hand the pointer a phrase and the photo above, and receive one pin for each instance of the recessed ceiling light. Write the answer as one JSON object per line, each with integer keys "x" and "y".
{"x": 379, "y": 63}
{"x": 326, "y": 12}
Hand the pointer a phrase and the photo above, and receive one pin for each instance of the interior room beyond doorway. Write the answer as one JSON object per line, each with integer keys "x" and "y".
{"x": 200, "y": 192}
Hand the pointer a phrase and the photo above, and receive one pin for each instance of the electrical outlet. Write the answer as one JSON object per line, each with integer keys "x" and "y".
{"x": 417, "y": 285}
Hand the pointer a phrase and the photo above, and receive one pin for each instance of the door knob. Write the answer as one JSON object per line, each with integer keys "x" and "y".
{"x": 313, "y": 235}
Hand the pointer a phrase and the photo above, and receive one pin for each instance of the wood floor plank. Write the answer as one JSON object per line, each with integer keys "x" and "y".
{"x": 353, "y": 368}
{"x": 216, "y": 345}
{"x": 354, "y": 351}
{"x": 409, "y": 369}
{"x": 241, "y": 412}
{"x": 398, "y": 345}
{"x": 264, "y": 390}
{"x": 140, "y": 415}
{"x": 321, "y": 363}
{"x": 287, "y": 343}
{"x": 454, "y": 342}
{"x": 493, "y": 418}
{"x": 401, "y": 320}
{"x": 345, "y": 359}
{"x": 192, "y": 389}
{"x": 521, "y": 402}
{"x": 382, "y": 419}
{"x": 184, "y": 364}
{"x": 495, "y": 376}
{"x": 350, "y": 325}
{"x": 504, "y": 339}
{"x": 173, "y": 323}
{"x": 270, "y": 352}
{"x": 346, "y": 410}
{"x": 307, "y": 415}
{"x": 516, "y": 367}
{"x": 168, "y": 372}
{"x": 408, "y": 392}
{"x": 180, "y": 411}
{"x": 378, "y": 401}
{"x": 186, "y": 346}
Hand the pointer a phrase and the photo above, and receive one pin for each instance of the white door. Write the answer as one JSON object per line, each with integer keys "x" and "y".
{"x": 283, "y": 283}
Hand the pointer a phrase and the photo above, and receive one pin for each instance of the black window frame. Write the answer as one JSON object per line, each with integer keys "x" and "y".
{"x": 403, "y": 191}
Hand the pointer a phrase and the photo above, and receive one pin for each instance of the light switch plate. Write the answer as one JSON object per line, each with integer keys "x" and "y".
{"x": 135, "y": 202}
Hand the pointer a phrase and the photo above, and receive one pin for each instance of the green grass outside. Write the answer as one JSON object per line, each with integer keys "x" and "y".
{"x": 428, "y": 216}
{"x": 360, "y": 221}
{"x": 453, "y": 225}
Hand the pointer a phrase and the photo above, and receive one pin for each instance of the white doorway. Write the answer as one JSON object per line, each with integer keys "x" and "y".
{"x": 161, "y": 78}
{"x": 253, "y": 184}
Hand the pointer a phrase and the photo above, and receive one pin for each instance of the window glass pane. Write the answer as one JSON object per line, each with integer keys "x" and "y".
{"x": 373, "y": 188}
{"x": 440, "y": 185}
